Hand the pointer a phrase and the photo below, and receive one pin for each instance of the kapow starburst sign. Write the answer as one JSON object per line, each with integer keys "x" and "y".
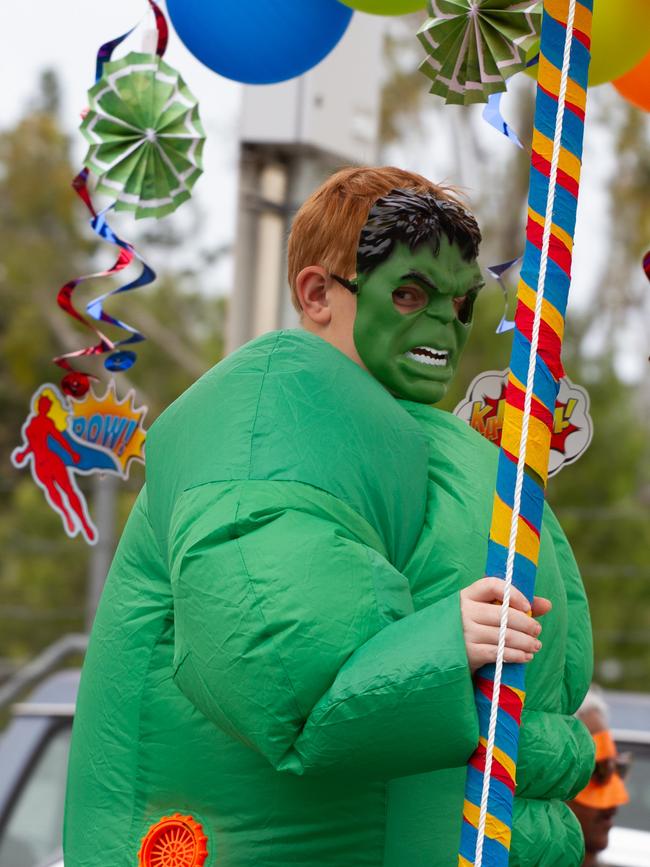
{"x": 483, "y": 408}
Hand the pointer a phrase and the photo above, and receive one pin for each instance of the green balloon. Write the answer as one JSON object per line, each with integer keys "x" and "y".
{"x": 620, "y": 39}
{"x": 386, "y": 7}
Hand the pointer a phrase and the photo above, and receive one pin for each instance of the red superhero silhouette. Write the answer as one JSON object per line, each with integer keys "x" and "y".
{"x": 50, "y": 471}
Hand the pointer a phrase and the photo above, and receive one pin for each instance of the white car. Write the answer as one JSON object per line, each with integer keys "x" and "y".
{"x": 627, "y": 847}
{"x": 629, "y": 839}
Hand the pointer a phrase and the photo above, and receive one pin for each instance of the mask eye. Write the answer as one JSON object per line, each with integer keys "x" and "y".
{"x": 464, "y": 307}
{"x": 407, "y": 299}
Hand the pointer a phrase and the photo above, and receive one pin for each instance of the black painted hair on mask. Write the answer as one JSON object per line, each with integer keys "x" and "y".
{"x": 414, "y": 219}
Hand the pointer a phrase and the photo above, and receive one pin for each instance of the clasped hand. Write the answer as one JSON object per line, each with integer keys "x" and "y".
{"x": 481, "y": 618}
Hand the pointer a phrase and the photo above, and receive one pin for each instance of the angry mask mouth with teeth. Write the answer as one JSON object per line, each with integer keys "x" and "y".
{"x": 417, "y": 280}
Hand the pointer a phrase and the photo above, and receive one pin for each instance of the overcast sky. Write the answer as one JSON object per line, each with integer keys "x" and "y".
{"x": 65, "y": 36}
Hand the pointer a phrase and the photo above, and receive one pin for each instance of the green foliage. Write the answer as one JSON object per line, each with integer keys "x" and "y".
{"x": 45, "y": 240}
{"x": 602, "y": 502}
{"x": 402, "y": 92}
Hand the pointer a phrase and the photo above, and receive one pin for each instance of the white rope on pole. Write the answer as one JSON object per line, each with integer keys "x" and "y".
{"x": 521, "y": 461}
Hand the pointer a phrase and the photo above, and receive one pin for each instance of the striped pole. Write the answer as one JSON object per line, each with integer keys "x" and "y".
{"x": 535, "y": 372}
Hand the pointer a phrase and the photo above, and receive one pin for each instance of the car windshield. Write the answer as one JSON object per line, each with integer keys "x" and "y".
{"x": 33, "y": 831}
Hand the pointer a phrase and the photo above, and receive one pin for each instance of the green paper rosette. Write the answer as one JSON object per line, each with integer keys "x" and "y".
{"x": 145, "y": 135}
{"x": 474, "y": 45}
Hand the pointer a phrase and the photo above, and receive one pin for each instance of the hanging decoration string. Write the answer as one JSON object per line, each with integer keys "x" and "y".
{"x": 75, "y": 382}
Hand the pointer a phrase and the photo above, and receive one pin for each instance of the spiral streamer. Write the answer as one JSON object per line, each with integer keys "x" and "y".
{"x": 75, "y": 382}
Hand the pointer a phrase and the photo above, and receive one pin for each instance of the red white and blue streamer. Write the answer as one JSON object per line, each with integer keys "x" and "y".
{"x": 76, "y": 382}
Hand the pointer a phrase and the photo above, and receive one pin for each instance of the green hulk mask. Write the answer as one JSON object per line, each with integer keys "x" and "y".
{"x": 417, "y": 282}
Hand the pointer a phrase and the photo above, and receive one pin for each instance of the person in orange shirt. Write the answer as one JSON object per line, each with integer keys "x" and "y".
{"x": 597, "y": 804}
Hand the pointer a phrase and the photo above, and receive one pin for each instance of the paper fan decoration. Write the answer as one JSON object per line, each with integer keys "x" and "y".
{"x": 145, "y": 135}
{"x": 474, "y": 45}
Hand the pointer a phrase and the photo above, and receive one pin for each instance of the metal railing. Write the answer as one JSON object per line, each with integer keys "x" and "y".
{"x": 46, "y": 662}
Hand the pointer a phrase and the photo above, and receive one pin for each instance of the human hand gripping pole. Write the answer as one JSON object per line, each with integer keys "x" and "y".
{"x": 480, "y": 608}
{"x": 535, "y": 372}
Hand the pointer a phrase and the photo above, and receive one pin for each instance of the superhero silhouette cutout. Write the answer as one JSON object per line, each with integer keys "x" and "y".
{"x": 56, "y": 454}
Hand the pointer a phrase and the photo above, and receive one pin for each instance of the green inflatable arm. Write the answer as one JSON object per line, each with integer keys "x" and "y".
{"x": 296, "y": 636}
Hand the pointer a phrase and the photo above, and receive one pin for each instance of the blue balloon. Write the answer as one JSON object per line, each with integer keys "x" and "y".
{"x": 259, "y": 41}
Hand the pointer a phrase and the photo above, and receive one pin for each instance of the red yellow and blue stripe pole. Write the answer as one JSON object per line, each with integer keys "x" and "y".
{"x": 535, "y": 372}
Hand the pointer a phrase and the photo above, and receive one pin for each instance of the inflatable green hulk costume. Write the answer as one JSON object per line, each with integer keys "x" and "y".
{"x": 278, "y": 673}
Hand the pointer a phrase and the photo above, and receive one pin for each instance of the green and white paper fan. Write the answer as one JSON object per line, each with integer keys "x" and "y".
{"x": 145, "y": 135}
{"x": 474, "y": 45}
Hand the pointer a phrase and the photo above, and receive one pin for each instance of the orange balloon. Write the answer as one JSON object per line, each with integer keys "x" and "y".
{"x": 635, "y": 85}
{"x": 620, "y": 38}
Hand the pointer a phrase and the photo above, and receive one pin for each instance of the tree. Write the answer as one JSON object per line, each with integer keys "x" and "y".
{"x": 45, "y": 240}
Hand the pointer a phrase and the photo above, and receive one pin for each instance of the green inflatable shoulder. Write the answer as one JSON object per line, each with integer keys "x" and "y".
{"x": 290, "y": 407}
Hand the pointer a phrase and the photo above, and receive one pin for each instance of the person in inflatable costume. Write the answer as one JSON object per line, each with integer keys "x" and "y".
{"x": 281, "y": 666}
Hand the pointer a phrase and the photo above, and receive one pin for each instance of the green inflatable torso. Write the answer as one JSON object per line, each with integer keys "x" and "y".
{"x": 278, "y": 651}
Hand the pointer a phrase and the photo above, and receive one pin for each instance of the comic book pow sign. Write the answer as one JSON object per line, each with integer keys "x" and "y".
{"x": 63, "y": 437}
{"x": 484, "y": 405}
